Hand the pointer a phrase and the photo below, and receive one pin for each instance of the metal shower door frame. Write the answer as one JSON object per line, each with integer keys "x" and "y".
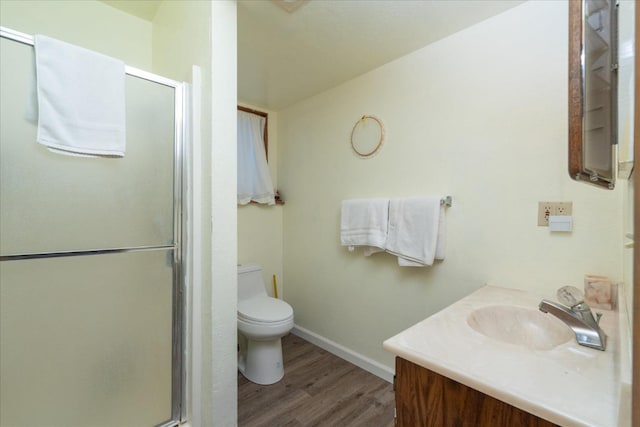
{"x": 178, "y": 376}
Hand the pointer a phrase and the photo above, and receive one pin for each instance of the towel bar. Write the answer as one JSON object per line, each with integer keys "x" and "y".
{"x": 446, "y": 201}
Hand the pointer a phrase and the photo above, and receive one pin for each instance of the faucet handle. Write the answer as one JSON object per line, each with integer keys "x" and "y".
{"x": 598, "y": 316}
{"x": 570, "y": 296}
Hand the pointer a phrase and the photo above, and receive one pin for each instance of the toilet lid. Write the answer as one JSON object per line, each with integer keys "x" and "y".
{"x": 264, "y": 309}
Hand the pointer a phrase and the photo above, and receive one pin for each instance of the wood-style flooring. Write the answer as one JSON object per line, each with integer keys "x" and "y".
{"x": 318, "y": 389}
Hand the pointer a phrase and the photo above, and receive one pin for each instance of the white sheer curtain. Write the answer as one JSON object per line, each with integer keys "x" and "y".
{"x": 254, "y": 180}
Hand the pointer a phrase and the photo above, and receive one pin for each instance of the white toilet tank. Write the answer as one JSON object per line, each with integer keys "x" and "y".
{"x": 250, "y": 283}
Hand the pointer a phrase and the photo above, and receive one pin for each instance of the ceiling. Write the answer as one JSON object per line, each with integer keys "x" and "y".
{"x": 284, "y": 57}
{"x": 145, "y": 9}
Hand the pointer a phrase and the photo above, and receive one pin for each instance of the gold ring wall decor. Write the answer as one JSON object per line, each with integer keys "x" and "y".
{"x": 367, "y": 136}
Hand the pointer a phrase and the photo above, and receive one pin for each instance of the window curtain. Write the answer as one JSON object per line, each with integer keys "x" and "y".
{"x": 254, "y": 180}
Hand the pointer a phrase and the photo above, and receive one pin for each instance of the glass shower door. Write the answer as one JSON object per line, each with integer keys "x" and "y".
{"x": 89, "y": 266}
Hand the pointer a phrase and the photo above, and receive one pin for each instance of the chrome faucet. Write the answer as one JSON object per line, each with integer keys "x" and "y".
{"x": 580, "y": 319}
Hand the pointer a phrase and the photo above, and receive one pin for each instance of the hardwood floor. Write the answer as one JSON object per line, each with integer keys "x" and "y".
{"x": 318, "y": 389}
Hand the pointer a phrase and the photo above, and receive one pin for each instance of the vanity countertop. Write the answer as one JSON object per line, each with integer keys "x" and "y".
{"x": 569, "y": 385}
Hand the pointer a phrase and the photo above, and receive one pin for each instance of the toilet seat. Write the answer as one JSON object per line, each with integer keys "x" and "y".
{"x": 264, "y": 310}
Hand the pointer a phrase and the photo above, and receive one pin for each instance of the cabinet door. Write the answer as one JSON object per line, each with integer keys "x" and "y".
{"x": 427, "y": 399}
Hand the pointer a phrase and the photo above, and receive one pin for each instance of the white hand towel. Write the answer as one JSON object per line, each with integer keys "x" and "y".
{"x": 363, "y": 222}
{"x": 440, "y": 245}
{"x": 414, "y": 224}
{"x": 81, "y": 100}
{"x": 441, "y": 242}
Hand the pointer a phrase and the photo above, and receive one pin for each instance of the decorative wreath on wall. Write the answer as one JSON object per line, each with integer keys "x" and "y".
{"x": 367, "y": 136}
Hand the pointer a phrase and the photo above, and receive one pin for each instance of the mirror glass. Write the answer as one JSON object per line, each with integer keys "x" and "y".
{"x": 593, "y": 91}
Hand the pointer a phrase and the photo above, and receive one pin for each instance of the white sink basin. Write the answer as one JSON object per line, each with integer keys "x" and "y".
{"x": 496, "y": 341}
{"x": 521, "y": 326}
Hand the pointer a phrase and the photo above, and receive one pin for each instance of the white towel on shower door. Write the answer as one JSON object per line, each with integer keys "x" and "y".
{"x": 81, "y": 99}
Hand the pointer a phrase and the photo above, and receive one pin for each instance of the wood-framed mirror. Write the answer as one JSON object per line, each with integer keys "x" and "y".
{"x": 593, "y": 91}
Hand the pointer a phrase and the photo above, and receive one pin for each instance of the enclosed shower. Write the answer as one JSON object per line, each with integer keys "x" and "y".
{"x": 91, "y": 255}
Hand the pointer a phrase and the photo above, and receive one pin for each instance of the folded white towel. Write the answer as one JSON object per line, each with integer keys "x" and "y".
{"x": 81, "y": 100}
{"x": 414, "y": 228}
{"x": 441, "y": 242}
{"x": 363, "y": 222}
{"x": 440, "y": 245}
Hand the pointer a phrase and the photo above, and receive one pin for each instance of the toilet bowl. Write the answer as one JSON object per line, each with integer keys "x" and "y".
{"x": 262, "y": 322}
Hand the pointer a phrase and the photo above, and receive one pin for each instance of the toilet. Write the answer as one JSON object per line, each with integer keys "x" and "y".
{"x": 262, "y": 322}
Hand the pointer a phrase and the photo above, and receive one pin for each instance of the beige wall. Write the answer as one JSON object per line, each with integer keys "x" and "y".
{"x": 627, "y": 254}
{"x": 260, "y": 242}
{"x": 204, "y": 33}
{"x": 260, "y": 227}
{"x": 480, "y": 115}
{"x": 224, "y": 247}
{"x": 181, "y": 39}
{"x": 626, "y": 133}
{"x": 90, "y": 24}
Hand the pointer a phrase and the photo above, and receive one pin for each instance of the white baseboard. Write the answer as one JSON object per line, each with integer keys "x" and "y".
{"x": 342, "y": 352}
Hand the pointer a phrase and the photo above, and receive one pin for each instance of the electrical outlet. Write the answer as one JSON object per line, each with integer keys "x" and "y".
{"x": 544, "y": 210}
{"x": 563, "y": 208}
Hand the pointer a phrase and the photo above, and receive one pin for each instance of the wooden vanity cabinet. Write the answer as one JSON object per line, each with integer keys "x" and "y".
{"x": 427, "y": 399}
